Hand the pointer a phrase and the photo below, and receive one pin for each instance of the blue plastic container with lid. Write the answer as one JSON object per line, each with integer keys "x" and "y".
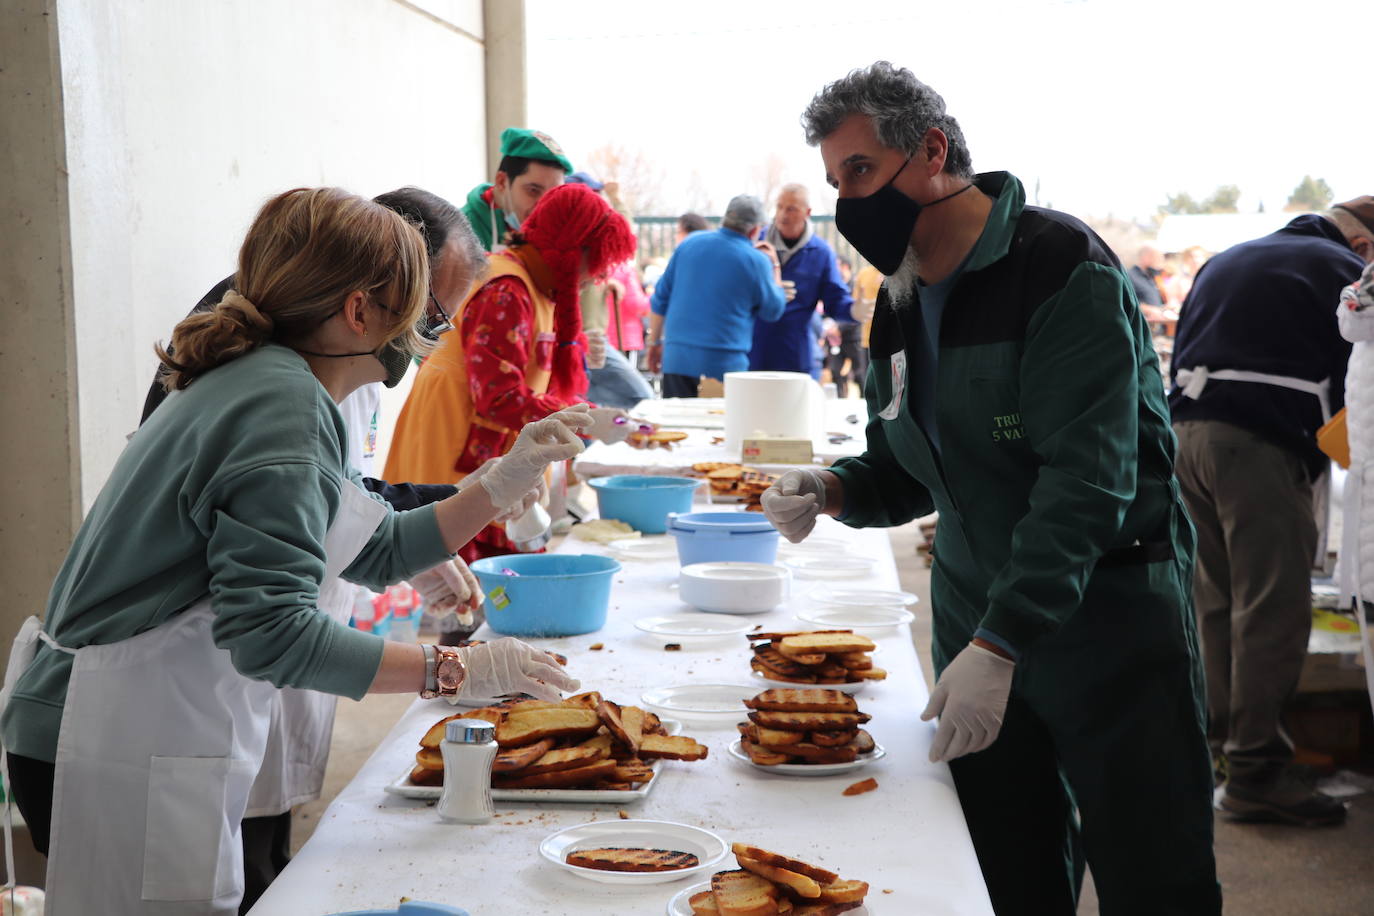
{"x": 643, "y": 501}
{"x": 549, "y": 594}
{"x": 713, "y": 537}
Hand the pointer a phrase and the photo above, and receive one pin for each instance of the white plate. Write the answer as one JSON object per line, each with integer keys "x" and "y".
{"x": 851, "y": 689}
{"x": 861, "y": 597}
{"x": 809, "y": 769}
{"x": 701, "y": 699}
{"x": 644, "y": 548}
{"x": 679, "y": 906}
{"x": 701, "y": 625}
{"x": 810, "y": 566}
{"x": 404, "y": 788}
{"x": 856, "y": 618}
{"x": 705, "y": 845}
{"x": 829, "y": 546}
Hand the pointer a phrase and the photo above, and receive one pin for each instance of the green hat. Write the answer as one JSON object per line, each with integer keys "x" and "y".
{"x": 533, "y": 144}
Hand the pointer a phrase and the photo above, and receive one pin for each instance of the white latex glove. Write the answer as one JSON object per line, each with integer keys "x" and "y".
{"x": 539, "y": 444}
{"x": 447, "y": 588}
{"x": 606, "y": 429}
{"x": 793, "y": 503}
{"x": 862, "y": 310}
{"x": 596, "y": 349}
{"x": 531, "y": 496}
{"x": 970, "y": 699}
{"x": 508, "y": 665}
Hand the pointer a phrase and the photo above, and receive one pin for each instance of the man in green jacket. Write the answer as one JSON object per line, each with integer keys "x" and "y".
{"x": 1014, "y": 389}
{"x": 532, "y": 162}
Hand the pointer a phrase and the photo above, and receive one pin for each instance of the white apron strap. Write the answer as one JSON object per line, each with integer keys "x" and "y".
{"x": 1193, "y": 381}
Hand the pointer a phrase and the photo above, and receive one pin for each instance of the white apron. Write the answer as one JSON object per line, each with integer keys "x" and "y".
{"x": 147, "y": 802}
{"x": 1352, "y": 572}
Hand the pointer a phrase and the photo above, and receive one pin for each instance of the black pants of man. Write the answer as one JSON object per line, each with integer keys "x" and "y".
{"x": 1251, "y": 502}
{"x": 266, "y": 840}
{"x": 851, "y": 348}
{"x": 680, "y": 386}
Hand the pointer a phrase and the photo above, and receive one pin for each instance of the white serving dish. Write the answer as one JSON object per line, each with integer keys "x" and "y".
{"x": 648, "y": 548}
{"x": 850, "y": 688}
{"x": 733, "y": 588}
{"x": 861, "y": 597}
{"x": 820, "y": 566}
{"x": 709, "y": 848}
{"x": 701, "y": 626}
{"x": 736, "y": 750}
{"x": 713, "y": 700}
{"x": 679, "y": 906}
{"x": 841, "y": 617}
{"x": 404, "y": 788}
{"x": 832, "y": 547}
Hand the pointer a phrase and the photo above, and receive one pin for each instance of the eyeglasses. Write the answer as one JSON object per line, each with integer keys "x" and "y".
{"x": 434, "y": 326}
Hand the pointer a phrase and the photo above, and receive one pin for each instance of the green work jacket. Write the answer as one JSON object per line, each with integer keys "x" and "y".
{"x": 1054, "y": 480}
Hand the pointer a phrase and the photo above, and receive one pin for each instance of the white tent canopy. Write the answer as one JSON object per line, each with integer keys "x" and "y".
{"x": 1217, "y": 231}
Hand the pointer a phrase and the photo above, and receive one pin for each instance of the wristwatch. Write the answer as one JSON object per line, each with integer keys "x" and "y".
{"x": 444, "y": 672}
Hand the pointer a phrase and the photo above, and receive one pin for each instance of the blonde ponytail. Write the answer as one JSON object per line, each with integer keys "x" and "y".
{"x": 205, "y": 340}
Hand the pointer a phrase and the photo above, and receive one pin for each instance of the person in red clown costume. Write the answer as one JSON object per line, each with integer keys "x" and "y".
{"x": 518, "y": 352}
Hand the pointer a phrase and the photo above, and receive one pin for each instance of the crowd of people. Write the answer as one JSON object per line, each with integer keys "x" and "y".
{"x": 1120, "y": 584}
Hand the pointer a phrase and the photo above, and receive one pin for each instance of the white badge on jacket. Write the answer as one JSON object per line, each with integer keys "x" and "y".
{"x": 894, "y": 406}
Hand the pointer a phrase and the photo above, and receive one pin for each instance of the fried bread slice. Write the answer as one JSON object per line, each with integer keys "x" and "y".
{"x": 828, "y": 739}
{"x": 526, "y": 726}
{"x": 863, "y": 742}
{"x": 563, "y": 758}
{"x": 800, "y": 656}
{"x": 627, "y": 858}
{"x": 703, "y": 904}
{"x": 436, "y": 731}
{"x": 814, "y": 753}
{"x": 633, "y": 771}
{"x": 769, "y": 656}
{"x": 800, "y": 884}
{"x": 844, "y": 890}
{"x": 424, "y": 776}
{"x": 773, "y": 675}
{"x": 559, "y": 779}
{"x": 743, "y": 893}
{"x": 869, "y": 674}
{"x": 828, "y": 642}
{"x": 632, "y": 718}
{"x": 771, "y": 736}
{"x": 760, "y": 756}
{"x": 807, "y": 721}
{"x": 666, "y": 747}
{"x": 783, "y": 634}
{"x": 778, "y": 860}
{"x": 609, "y": 714}
{"x": 797, "y": 699}
{"x": 588, "y": 699}
{"x": 511, "y": 759}
{"x": 430, "y": 758}
{"x": 853, "y": 661}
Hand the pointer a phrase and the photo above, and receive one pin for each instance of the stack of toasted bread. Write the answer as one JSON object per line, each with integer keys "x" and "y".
{"x": 805, "y": 726}
{"x": 583, "y": 742}
{"x": 818, "y": 657}
{"x": 727, "y": 479}
{"x": 768, "y": 883}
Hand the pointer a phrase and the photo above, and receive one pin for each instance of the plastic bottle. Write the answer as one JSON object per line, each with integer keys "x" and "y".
{"x": 468, "y": 748}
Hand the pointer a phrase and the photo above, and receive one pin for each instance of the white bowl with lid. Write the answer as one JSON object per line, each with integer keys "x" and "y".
{"x": 733, "y": 587}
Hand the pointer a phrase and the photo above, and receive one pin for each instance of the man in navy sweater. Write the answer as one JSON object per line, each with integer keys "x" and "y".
{"x": 810, "y": 275}
{"x": 1258, "y": 367}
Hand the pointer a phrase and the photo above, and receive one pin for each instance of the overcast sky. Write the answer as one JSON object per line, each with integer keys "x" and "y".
{"x": 1110, "y": 106}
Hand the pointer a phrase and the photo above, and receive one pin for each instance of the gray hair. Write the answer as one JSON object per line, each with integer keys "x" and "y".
{"x": 439, "y": 222}
{"x": 793, "y": 187}
{"x": 902, "y": 108}
{"x": 744, "y": 211}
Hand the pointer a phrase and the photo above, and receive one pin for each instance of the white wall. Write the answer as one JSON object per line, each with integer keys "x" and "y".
{"x": 183, "y": 117}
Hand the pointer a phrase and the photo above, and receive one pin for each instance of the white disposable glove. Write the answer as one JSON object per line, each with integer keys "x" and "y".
{"x": 448, "y": 588}
{"x": 793, "y": 503}
{"x": 970, "y": 698}
{"x": 862, "y": 310}
{"x": 508, "y": 665}
{"x": 596, "y": 349}
{"x": 539, "y": 444}
{"x": 605, "y": 427}
{"x": 531, "y": 496}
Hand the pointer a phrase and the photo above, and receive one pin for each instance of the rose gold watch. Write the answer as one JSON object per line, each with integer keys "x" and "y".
{"x": 449, "y": 673}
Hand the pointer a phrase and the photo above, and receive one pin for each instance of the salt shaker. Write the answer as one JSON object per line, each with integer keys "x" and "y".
{"x": 469, "y": 747}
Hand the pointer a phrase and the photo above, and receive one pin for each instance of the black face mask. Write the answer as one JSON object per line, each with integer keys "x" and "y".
{"x": 879, "y": 226}
{"x": 394, "y": 358}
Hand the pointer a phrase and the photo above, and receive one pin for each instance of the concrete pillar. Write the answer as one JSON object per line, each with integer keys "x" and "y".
{"x": 503, "y": 29}
{"x": 40, "y": 489}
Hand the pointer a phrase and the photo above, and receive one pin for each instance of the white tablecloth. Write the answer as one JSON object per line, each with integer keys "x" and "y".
{"x": 703, "y": 419}
{"x": 908, "y": 836}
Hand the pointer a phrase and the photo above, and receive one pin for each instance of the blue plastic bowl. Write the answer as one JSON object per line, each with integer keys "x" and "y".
{"x": 551, "y": 594}
{"x": 713, "y": 537}
{"x": 643, "y": 501}
{"x": 411, "y": 908}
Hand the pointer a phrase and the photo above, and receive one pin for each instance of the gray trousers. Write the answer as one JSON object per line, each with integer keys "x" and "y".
{"x": 1251, "y": 502}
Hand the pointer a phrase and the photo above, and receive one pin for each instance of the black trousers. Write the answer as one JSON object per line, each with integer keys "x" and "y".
{"x": 851, "y": 348}
{"x": 266, "y": 840}
{"x": 680, "y": 386}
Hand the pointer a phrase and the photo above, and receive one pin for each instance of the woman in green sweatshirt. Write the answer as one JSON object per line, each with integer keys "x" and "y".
{"x": 136, "y": 715}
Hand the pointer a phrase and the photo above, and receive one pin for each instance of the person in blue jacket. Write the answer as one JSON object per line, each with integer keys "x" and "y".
{"x": 704, "y": 306}
{"x": 811, "y": 276}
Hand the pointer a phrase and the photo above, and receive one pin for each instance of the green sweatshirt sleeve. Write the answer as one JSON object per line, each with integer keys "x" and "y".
{"x": 1079, "y": 403}
{"x": 266, "y": 559}
{"x": 878, "y": 491}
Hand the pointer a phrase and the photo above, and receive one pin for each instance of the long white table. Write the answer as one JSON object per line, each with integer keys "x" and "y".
{"x": 907, "y": 837}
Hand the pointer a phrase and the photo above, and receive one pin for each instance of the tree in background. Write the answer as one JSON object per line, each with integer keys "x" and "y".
{"x": 1310, "y": 194}
{"x": 639, "y": 176}
{"x": 1222, "y": 200}
{"x": 766, "y": 177}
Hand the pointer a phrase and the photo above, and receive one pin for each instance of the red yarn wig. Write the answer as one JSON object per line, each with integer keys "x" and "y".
{"x": 569, "y": 224}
